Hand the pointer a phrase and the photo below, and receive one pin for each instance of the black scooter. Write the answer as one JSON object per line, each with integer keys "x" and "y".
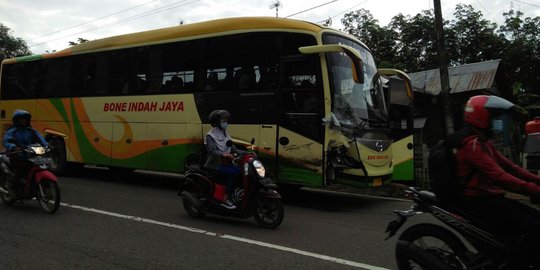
{"x": 434, "y": 247}
{"x": 254, "y": 194}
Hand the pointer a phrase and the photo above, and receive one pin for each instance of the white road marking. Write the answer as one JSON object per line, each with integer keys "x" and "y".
{"x": 226, "y": 236}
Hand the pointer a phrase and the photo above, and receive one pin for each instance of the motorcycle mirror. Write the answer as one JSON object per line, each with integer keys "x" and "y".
{"x": 253, "y": 141}
{"x": 229, "y": 143}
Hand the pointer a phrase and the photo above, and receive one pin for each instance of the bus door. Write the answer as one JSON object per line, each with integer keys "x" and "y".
{"x": 300, "y": 131}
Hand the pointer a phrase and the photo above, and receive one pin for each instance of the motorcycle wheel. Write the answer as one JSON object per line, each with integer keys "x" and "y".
{"x": 268, "y": 213}
{"x": 7, "y": 198}
{"x": 49, "y": 196}
{"x": 428, "y": 242}
{"x": 191, "y": 210}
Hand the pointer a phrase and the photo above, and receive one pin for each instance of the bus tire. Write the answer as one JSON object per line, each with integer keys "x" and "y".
{"x": 58, "y": 156}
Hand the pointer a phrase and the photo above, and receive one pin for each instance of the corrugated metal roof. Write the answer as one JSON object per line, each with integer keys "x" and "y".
{"x": 475, "y": 76}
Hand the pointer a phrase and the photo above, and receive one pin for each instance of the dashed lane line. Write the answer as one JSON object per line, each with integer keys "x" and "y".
{"x": 226, "y": 236}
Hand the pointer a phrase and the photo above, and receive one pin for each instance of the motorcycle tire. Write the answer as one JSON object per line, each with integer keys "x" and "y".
{"x": 7, "y": 198}
{"x": 268, "y": 213}
{"x": 414, "y": 250}
{"x": 48, "y": 196}
{"x": 191, "y": 210}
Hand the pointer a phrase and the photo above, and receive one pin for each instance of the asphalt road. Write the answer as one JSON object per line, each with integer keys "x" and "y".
{"x": 136, "y": 221}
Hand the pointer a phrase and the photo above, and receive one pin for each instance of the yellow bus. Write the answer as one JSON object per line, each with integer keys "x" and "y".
{"x": 310, "y": 96}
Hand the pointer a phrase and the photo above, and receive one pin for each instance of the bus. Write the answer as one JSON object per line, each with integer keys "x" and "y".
{"x": 309, "y": 95}
{"x": 401, "y": 118}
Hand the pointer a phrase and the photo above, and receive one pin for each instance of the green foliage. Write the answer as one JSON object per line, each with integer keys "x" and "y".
{"x": 408, "y": 42}
{"x": 11, "y": 46}
{"x": 474, "y": 38}
{"x": 79, "y": 41}
{"x": 380, "y": 40}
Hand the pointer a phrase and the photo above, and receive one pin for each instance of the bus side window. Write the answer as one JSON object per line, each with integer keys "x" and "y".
{"x": 180, "y": 62}
{"x": 301, "y": 98}
{"x": 120, "y": 72}
{"x": 20, "y": 80}
{"x": 82, "y": 75}
{"x": 246, "y": 77}
{"x": 268, "y": 77}
{"x": 55, "y": 82}
{"x": 154, "y": 75}
{"x": 101, "y": 76}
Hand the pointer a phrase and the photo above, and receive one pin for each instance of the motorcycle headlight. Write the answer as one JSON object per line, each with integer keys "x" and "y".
{"x": 39, "y": 150}
{"x": 259, "y": 168}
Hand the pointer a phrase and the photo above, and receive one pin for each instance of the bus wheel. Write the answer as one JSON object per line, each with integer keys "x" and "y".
{"x": 58, "y": 156}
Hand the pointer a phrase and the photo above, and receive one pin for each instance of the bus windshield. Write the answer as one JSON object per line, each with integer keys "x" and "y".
{"x": 355, "y": 104}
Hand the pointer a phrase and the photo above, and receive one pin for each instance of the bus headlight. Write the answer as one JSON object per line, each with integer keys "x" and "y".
{"x": 259, "y": 168}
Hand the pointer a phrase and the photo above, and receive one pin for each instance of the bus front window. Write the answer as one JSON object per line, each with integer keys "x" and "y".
{"x": 355, "y": 104}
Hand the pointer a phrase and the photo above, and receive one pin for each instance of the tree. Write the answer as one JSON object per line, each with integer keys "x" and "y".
{"x": 473, "y": 37}
{"x": 416, "y": 48}
{"x": 79, "y": 41}
{"x": 521, "y": 55}
{"x": 11, "y": 46}
{"x": 381, "y": 40}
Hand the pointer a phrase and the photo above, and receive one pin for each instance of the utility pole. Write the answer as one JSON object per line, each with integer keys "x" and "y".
{"x": 443, "y": 69}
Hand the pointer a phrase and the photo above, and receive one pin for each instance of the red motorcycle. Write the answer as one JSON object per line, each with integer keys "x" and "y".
{"x": 254, "y": 194}
{"x": 39, "y": 182}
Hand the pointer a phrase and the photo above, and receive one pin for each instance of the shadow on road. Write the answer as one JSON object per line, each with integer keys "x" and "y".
{"x": 126, "y": 176}
{"x": 322, "y": 200}
{"x": 327, "y": 201}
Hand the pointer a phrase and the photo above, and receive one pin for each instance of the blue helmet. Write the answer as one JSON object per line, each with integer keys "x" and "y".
{"x": 17, "y": 114}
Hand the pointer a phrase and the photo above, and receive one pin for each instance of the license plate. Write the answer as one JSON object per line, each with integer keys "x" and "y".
{"x": 377, "y": 182}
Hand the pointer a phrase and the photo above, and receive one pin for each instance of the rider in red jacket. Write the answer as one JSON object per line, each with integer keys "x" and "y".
{"x": 488, "y": 174}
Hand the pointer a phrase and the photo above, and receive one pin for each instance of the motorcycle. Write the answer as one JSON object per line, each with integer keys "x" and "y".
{"x": 38, "y": 181}
{"x": 254, "y": 194}
{"x": 434, "y": 247}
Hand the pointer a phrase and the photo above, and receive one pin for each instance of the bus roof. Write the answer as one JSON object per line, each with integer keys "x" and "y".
{"x": 227, "y": 25}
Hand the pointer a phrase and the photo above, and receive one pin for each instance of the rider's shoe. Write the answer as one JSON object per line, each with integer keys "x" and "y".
{"x": 228, "y": 204}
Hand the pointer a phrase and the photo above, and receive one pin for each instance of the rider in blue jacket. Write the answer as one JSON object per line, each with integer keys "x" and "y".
{"x": 18, "y": 136}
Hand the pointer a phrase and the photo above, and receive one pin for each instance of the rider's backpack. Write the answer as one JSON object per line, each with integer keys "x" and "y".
{"x": 445, "y": 183}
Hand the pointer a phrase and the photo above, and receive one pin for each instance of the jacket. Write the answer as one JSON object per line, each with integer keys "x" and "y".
{"x": 216, "y": 140}
{"x": 23, "y": 136}
{"x": 487, "y": 172}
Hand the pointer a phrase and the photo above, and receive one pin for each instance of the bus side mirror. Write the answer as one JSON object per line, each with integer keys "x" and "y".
{"x": 400, "y": 74}
{"x": 352, "y": 53}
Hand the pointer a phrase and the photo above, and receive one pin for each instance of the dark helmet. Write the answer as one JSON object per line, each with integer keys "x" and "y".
{"x": 480, "y": 110}
{"x": 18, "y": 114}
{"x": 216, "y": 116}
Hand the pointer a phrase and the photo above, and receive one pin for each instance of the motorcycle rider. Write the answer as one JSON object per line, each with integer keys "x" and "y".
{"x": 219, "y": 155}
{"x": 18, "y": 136}
{"x": 487, "y": 174}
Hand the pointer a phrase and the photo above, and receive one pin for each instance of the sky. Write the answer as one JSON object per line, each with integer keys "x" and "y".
{"x": 50, "y": 25}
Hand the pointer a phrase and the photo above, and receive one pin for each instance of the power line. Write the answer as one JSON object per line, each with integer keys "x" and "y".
{"x": 527, "y": 3}
{"x": 351, "y": 8}
{"x": 485, "y": 10}
{"x": 482, "y": 6}
{"x": 84, "y": 23}
{"x": 311, "y": 8}
{"x": 134, "y": 17}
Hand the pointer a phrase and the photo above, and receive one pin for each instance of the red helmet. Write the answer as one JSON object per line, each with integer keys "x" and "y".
{"x": 480, "y": 109}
